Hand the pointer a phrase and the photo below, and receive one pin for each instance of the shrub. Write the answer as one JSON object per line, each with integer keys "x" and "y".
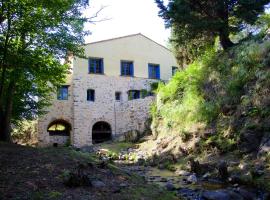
{"x": 211, "y": 90}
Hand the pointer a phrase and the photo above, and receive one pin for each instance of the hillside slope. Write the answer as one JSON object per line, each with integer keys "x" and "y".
{"x": 218, "y": 108}
{"x": 36, "y": 174}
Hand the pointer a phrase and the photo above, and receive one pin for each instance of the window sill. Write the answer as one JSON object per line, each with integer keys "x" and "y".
{"x": 127, "y": 76}
{"x": 96, "y": 73}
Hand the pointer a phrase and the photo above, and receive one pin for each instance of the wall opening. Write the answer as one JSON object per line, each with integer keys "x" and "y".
{"x": 59, "y": 128}
{"x": 101, "y": 132}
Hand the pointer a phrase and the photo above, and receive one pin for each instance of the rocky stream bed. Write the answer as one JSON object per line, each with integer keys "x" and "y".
{"x": 185, "y": 184}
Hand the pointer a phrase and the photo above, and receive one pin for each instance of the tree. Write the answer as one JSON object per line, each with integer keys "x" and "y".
{"x": 194, "y": 18}
{"x": 34, "y": 37}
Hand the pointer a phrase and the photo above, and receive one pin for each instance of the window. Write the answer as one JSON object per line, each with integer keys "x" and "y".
{"x": 90, "y": 95}
{"x": 153, "y": 71}
{"x": 118, "y": 96}
{"x": 133, "y": 94}
{"x": 126, "y": 68}
{"x": 59, "y": 127}
{"x": 174, "y": 70}
{"x": 95, "y": 65}
{"x": 62, "y": 93}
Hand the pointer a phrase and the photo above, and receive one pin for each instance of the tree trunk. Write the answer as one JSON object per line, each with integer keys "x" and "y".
{"x": 225, "y": 40}
{"x": 224, "y": 33}
{"x": 5, "y": 117}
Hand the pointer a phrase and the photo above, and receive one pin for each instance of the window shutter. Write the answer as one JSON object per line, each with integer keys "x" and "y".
{"x": 102, "y": 66}
{"x": 131, "y": 69}
{"x": 149, "y": 71}
{"x": 158, "y": 72}
{"x": 89, "y": 65}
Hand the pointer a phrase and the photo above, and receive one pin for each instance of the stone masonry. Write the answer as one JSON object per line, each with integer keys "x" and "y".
{"x": 123, "y": 115}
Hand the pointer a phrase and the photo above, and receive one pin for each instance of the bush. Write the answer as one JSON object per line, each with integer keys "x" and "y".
{"x": 25, "y": 133}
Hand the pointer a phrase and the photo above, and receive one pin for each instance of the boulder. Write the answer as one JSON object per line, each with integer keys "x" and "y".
{"x": 97, "y": 184}
{"x": 264, "y": 145}
{"x": 182, "y": 173}
{"x": 192, "y": 179}
{"x": 250, "y": 141}
{"x": 223, "y": 170}
{"x": 169, "y": 186}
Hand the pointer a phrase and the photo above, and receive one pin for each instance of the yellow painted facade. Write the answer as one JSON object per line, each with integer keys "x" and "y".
{"x": 136, "y": 48}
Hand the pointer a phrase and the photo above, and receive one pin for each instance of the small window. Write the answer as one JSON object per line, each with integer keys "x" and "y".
{"x": 118, "y": 96}
{"x": 95, "y": 66}
{"x": 154, "y": 71}
{"x": 133, "y": 94}
{"x": 126, "y": 68}
{"x": 62, "y": 93}
{"x": 90, "y": 95}
{"x": 174, "y": 70}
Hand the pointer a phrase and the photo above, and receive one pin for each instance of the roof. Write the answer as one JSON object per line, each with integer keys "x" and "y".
{"x": 132, "y": 35}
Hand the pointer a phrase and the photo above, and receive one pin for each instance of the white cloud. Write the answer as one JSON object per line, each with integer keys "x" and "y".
{"x": 127, "y": 17}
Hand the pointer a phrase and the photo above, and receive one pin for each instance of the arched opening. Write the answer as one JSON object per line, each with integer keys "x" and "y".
{"x": 59, "y": 127}
{"x": 101, "y": 132}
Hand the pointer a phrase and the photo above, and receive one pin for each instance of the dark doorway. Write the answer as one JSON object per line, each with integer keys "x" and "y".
{"x": 59, "y": 127}
{"x": 101, "y": 132}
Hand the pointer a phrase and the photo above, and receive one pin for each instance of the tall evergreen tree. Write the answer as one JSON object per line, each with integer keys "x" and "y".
{"x": 193, "y": 18}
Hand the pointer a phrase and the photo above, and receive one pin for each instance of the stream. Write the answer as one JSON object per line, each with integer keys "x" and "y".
{"x": 188, "y": 186}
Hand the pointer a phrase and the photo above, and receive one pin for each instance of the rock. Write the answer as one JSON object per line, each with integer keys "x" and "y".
{"x": 245, "y": 194}
{"x": 221, "y": 195}
{"x": 97, "y": 184}
{"x": 192, "y": 179}
{"x": 206, "y": 176}
{"x": 163, "y": 179}
{"x": 194, "y": 166}
{"x": 123, "y": 185}
{"x": 161, "y": 166}
{"x": 116, "y": 189}
{"x": 250, "y": 141}
{"x": 188, "y": 193}
{"x": 169, "y": 186}
{"x": 140, "y": 161}
{"x": 132, "y": 136}
{"x": 182, "y": 173}
{"x": 87, "y": 149}
{"x": 265, "y": 144}
{"x": 223, "y": 170}
{"x": 235, "y": 179}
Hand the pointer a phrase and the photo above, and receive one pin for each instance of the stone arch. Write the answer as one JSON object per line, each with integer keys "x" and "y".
{"x": 101, "y": 132}
{"x": 59, "y": 127}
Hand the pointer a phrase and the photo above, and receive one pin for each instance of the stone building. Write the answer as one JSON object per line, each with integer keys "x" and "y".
{"x": 107, "y": 94}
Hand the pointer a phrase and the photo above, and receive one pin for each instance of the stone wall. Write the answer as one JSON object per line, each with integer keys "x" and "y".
{"x": 59, "y": 110}
{"x": 122, "y": 115}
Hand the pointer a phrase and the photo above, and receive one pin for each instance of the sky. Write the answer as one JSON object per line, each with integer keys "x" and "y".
{"x": 126, "y": 17}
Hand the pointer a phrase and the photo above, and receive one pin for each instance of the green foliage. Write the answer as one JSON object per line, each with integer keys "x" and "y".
{"x": 25, "y": 133}
{"x": 222, "y": 90}
{"x": 200, "y": 21}
{"x": 144, "y": 93}
{"x": 35, "y": 37}
{"x": 54, "y": 195}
